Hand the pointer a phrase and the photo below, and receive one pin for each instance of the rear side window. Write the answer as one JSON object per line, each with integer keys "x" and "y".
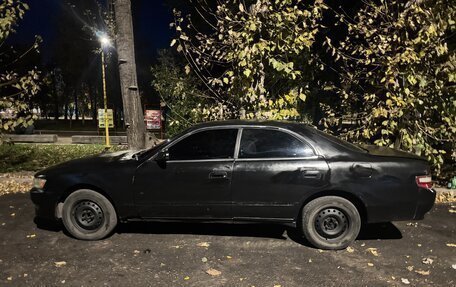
{"x": 209, "y": 144}
{"x": 264, "y": 143}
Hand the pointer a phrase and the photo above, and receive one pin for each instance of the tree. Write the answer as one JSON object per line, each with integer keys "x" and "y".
{"x": 133, "y": 113}
{"x": 397, "y": 77}
{"x": 180, "y": 91}
{"x": 255, "y": 57}
{"x": 17, "y": 85}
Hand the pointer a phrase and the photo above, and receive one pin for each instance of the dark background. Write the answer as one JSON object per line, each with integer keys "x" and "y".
{"x": 46, "y": 17}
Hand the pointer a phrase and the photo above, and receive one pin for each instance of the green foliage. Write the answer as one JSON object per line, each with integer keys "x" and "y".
{"x": 397, "y": 77}
{"x": 31, "y": 157}
{"x": 256, "y": 57}
{"x": 16, "y": 87}
{"x": 179, "y": 90}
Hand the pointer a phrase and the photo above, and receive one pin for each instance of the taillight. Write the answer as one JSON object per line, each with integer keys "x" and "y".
{"x": 424, "y": 181}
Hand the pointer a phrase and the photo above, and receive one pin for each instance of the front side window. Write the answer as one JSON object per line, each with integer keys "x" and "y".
{"x": 264, "y": 143}
{"x": 209, "y": 144}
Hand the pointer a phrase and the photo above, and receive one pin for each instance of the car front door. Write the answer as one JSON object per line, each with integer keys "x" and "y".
{"x": 273, "y": 172}
{"x": 194, "y": 182}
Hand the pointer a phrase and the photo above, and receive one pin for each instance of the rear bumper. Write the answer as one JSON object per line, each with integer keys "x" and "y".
{"x": 426, "y": 200}
{"x": 45, "y": 204}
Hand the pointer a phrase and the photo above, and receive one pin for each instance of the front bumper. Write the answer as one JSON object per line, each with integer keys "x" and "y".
{"x": 45, "y": 203}
{"x": 426, "y": 200}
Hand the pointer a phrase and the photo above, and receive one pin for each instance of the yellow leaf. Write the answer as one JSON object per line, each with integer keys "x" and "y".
{"x": 213, "y": 272}
{"x": 373, "y": 251}
{"x": 59, "y": 263}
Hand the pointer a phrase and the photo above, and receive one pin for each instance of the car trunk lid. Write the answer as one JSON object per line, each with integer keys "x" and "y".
{"x": 390, "y": 152}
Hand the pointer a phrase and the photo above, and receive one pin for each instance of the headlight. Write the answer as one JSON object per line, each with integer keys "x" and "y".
{"x": 39, "y": 182}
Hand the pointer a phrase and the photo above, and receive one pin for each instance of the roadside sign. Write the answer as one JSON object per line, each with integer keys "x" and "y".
{"x": 101, "y": 118}
{"x": 153, "y": 119}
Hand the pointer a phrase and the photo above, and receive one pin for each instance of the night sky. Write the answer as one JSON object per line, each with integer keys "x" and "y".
{"x": 151, "y": 27}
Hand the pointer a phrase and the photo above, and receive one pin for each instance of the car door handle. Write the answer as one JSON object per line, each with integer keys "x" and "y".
{"x": 310, "y": 172}
{"x": 218, "y": 175}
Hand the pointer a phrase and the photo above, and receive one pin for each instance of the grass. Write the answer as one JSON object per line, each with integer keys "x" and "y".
{"x": 33, "y": 157}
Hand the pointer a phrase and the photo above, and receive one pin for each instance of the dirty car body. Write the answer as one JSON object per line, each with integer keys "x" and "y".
{"x": 244, "y": 171}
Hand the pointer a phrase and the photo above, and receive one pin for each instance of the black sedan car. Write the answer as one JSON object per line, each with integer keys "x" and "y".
{"x": 240, "y": 171}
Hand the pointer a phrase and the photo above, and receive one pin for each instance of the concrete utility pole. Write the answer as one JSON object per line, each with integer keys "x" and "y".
{"x": 133, "y": 113}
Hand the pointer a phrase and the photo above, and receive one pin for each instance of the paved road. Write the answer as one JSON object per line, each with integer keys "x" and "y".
{"x": 157, "y": 254}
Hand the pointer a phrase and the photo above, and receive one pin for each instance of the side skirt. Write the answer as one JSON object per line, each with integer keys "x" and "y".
{"x": 238, "y": 220}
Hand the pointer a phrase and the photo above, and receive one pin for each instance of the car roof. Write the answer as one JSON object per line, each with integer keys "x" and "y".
{"x": 278, "y": 124}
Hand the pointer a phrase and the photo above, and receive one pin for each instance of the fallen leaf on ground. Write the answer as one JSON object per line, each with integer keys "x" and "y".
{"x": 213, "y": 272}
{"x": 364, "y": 244}
{"x": 13, "y": 214}
{"x": 204, "y": 259}
{"x": 15, "y": 186}
{"x": 186, "y": 278}
{"x": 370, "y": 264}
{"x": 60, "y": 263}
{"x": 9, "y": 278}
{"x": 422, "y": 272}
{"x": 451, "y": 245}
{"x": 203, "y": 244}
{"x": 427, "y": 261}
{"x": 405, "y": 281}
{"x": 350, "y": 249}
{"x": 373, "y": 251}
{"x": 452, "y": 210}
{"x": 229, "y": 257}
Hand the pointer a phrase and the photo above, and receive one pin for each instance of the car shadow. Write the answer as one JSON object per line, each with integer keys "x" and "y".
{"x": 377, "y": 231}
{"x": 48, "y": 225}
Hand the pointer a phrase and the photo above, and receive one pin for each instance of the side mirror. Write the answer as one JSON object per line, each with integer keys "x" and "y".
{"x": 162, "y": 156}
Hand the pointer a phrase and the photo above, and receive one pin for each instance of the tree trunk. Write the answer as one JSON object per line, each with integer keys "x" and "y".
{"x": 133, "y": 113}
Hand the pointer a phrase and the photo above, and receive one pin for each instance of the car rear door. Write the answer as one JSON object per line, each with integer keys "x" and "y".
{"x": 195, "y": 182}
{"x": 273, "y": 171}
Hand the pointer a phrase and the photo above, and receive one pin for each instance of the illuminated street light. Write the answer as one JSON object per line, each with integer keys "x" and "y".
{"x": 105, "y": 41}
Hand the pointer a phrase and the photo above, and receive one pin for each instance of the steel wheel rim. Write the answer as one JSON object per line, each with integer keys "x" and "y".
{"x": 88, "y": 215}
{"x": 331, "y": 223}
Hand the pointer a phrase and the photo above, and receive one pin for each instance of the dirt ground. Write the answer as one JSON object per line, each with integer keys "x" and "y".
{"x": 157, "y": 254}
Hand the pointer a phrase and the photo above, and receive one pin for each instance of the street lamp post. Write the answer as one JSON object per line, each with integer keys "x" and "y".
{"x": 105, "y": 42}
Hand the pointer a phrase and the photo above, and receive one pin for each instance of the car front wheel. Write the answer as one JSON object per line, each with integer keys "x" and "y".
{"x": 88, "y": 215}
{"x": 330, "y": 222}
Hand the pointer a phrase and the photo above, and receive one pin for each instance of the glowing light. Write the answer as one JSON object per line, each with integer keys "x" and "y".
{"x": 104, "y": 39}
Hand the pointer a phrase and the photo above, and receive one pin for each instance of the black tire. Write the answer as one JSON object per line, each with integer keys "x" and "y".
{"x": 330, "y": 222}
{"x": 88, "y": 215}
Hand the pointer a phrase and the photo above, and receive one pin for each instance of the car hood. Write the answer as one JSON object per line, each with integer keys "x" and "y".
{"x": 390, "y": 152}
{"x": 90, "y": 163}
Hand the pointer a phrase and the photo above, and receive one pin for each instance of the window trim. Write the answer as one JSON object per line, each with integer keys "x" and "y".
{"x": 198, "y": 131}
{"x": 291, "y": 133}
{"x": 240, "y": 128}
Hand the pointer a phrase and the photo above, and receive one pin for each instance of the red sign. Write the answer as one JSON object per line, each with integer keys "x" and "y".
{"x": 153, "y": 119}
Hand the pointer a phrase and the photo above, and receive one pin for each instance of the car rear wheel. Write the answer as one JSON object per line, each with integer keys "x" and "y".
{"x": 330, "y": 222}
{"x": 88, "y": 215}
